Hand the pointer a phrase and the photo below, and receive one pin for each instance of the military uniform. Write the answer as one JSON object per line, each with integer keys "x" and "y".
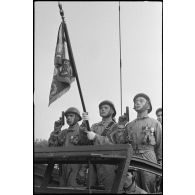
{"x": 53, "y": 139}
{"x": 70, "y": 137}
{"x": 73, "y": 135}
{"x": 104, "y": 173}
{"x": 145, "y": 136}
{"x": 119, "y": 135}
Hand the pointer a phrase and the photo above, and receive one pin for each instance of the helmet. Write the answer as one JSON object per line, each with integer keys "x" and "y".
{"x": 144, "y": 96}
{"x": 158, "y": 110}
{"x": 73, "y": 110}
{"x": 107, "y": 102}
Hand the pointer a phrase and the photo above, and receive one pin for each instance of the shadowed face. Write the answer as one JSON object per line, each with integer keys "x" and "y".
{"x": 159, "y": 116}
{"x": 105, "y": 111}
{"x": 128, "y": 180}
{"x": 70, "y": 118}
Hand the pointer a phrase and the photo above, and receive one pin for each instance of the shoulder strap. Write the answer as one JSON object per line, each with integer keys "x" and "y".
{"x": 105, "y": 131}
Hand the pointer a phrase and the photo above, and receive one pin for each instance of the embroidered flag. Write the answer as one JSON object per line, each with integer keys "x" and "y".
{"x": 63, "y": 74}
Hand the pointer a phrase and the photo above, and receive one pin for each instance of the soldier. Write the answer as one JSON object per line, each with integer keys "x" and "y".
{"x": 159, "y": 179}
{"x": 67, "y": 137}
{"x": 130, "y": 186}
{"x": 145, "y": 136}
{"x": 159, "y": 115}
{"x": 100, "y": 134}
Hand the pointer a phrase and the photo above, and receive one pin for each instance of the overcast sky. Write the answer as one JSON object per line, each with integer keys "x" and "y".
{"x": 94, "y": 35}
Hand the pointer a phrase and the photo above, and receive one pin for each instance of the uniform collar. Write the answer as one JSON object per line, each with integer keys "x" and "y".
{"x": 105, "y": 123}
{"x": 74, "y": 127}
{"x": 145, "y": 115}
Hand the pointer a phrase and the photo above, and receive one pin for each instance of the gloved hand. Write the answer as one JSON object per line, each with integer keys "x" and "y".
{"x": 91, "y": 135}
{"x": 85, "y": 116}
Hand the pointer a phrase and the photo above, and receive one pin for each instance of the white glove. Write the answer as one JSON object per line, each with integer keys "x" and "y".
{"x": 91, "y": 135}
{"x": 85, "y": 116}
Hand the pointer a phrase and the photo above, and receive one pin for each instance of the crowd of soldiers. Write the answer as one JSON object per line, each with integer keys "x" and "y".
{"x": 144, "y": 134}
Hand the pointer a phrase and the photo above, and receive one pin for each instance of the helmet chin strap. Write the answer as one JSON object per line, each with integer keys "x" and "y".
{"x": 111, "y": 112}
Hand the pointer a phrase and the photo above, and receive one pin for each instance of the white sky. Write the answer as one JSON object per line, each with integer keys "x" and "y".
{"x": 94, "y": 34}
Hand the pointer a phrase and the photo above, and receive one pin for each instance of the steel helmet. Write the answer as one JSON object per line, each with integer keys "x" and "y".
{"x": 144, "y": 96}
{"x": 73, "y": 110}
{"x": 107, "y": 102}
{"x": 158, "y": 110}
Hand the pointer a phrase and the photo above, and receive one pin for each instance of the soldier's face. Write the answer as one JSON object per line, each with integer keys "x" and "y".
{"x": 70, "y": 118}
{"x": 128, "y": 180}
{"x": 159, "y": 116}
{"x": 140, "y": 104}
{"x": 105, "y": 111}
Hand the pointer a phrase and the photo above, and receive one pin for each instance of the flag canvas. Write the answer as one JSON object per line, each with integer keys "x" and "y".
{"x": 63, "y": 74}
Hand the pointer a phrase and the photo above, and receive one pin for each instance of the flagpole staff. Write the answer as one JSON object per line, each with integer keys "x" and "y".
{"x": 120, "y": 59}
{"x": 71, "y": 58}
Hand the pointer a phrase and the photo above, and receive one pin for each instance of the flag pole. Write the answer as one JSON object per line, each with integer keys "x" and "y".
{"x": 71, "y": 58}
{"x": 120, "y": 60}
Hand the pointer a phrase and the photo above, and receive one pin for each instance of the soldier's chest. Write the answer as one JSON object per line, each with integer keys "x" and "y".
{"x": 99, "y": 129}
{"x": 141, "y": 126}
{"x": 104, "y": 130}
{"x": 140, "y": 129}
{"x": 69, "y": 136}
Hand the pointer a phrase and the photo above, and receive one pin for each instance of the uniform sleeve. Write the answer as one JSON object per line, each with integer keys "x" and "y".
{"x": 83, "y": 140}
{"x": 53, "y": 139}
{"x": 127, "y": 132}
{"x": 113, "y": 136}
{"x": 100, "y": 140}
{"x": 158, "y": 147}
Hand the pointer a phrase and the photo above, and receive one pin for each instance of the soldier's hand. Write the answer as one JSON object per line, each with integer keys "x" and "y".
{"x": 85, "y": 116}
{"x": 122, "y": 120}
{"x": 90, "y": 135}
{"x": 57, "y": 125}
{"x": 83, "y": 126}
